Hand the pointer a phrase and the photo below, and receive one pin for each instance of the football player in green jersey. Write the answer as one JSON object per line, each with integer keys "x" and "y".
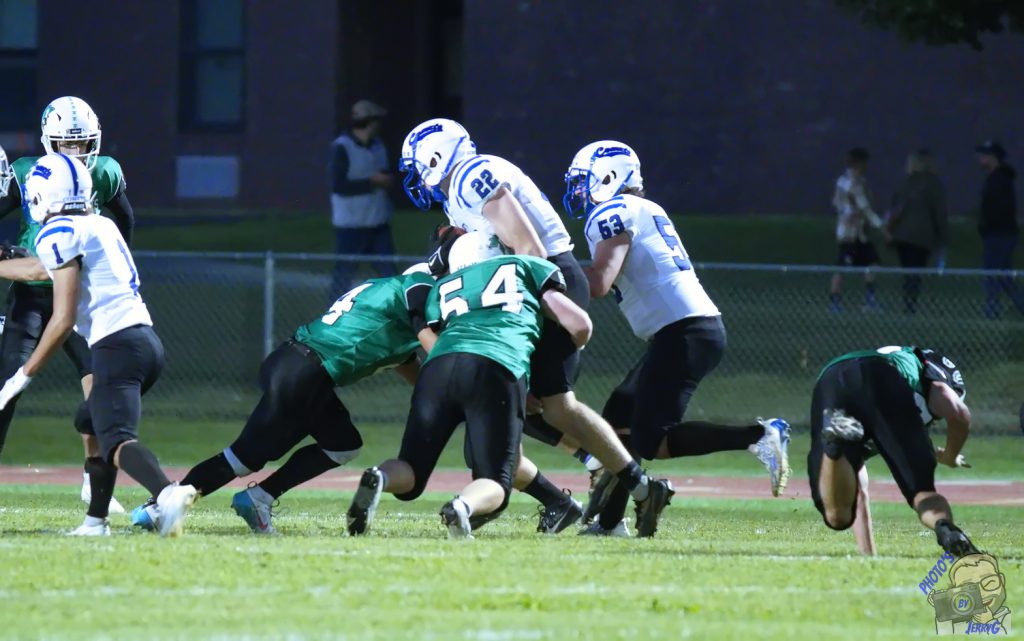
{"x": 881, "y": 402}
{"x": 372, "y": 327}
{"x": 70, "y": 127}
{"x": 487, "y": 313}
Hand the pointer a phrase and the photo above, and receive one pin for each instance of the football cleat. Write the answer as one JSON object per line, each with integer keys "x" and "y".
{"x": 953, "y": 540}
{"x": 555, "y": 518}
{"x": 174, "y": 502}
{"x": 772, "y": 450}
{"x": 595, "y": 529}
{"x": 365, "y": 502}
{"x": 648, "y": 511}
{"x": 455, "y": 516}
{"x": 839, "y": 427}
{"x": 102, "y": 528}
{"x": 254, "y": 509}
{"x": 600, "y": 492}
{"x": 115, "y": 507}
{"x": 146, "y": 516}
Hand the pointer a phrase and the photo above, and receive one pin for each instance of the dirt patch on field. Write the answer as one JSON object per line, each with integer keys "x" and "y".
{"x": 1004, "y": 493}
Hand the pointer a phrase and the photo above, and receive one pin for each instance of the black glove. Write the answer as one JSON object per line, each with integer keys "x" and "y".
{"x": 8, "y": 251}
{"x": 441, "y": 240}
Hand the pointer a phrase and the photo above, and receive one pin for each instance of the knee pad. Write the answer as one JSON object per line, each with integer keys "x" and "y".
{"x": 83, "y": 419}
{"x": 342, "y": 457}
{"x": 536, "y": 427}
{"x": 237, "y": 465}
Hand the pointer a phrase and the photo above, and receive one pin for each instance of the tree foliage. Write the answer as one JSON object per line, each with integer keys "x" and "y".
{"x": 940, "y": 22}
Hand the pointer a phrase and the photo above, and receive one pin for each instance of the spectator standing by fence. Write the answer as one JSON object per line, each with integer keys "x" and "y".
{"x": 918, "y": 222}
{"x": 360, "y": 208}
{"x": 852, "y": 202}
{"x": 997, "y": 224}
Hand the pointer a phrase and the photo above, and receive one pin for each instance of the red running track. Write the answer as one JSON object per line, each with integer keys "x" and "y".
{"x": 1002, "y": 493}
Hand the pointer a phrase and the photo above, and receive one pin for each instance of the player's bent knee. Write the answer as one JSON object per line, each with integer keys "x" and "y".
{"x": 342, "y": 458}
{"x": 412, "y": 494}
{"x": 838, "y": 520}
{"x": 83, "y": 419}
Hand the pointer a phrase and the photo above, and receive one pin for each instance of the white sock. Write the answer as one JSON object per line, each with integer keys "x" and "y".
{"x": 85, "y": 478}
{"x": 469, "y": 510}
{"x": 641, "y": 491}
{"x": 592, "y": 464}
{"x": 93, "y": 521}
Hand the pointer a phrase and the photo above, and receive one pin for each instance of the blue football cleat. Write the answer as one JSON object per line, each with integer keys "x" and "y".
{"x": 772, "y": 450}
{"x": 257, "y": 514}
{"x": 146, "y": 516}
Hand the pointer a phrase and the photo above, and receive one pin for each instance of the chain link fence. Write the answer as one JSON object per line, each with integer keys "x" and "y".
{"x": 219, "y": 314}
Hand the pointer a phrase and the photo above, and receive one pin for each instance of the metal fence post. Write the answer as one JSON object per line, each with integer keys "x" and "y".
{"x": 268, "y": 302}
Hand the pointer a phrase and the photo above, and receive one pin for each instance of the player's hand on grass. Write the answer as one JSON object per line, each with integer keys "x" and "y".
{"x": 14, "y": 386}
{"x": 951, "y": 461}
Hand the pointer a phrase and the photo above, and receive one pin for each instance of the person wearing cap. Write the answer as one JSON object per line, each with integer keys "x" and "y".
{"x": 997, "y": 224}
{"x": 360, "y": 208}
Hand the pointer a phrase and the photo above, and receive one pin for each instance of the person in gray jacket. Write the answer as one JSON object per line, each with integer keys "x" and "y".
{"x": 360, "y": 208}
{"x": 918, "y": 222}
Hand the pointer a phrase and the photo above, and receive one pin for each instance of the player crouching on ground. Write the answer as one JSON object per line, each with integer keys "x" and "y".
{"x": 372, "y": 327}
{"x": 882, "y": 401}
{"x": 86, "y": 258}
{"x": 487, "y": 313}
{"x": 638, "y": 255}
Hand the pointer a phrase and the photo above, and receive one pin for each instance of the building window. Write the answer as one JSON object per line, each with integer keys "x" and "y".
{"x": 18, "y": 46}
{"x": 212, "y": 89}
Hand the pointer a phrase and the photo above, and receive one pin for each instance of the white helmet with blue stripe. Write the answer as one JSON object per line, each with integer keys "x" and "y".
{"x": 600, "y": 171}
{"x": 429, "y": 153}
{"x": 56, "y": 184}
{"x": 6, "y": 173}
{"x": 71, "y": 127}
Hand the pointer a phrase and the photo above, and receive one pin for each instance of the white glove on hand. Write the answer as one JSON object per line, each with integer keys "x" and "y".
{"x": 14, "y": 386}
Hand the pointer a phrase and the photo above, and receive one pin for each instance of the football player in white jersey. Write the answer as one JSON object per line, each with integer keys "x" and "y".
{"x": 638, "y": 256}
{"x": 96, "y": 292}
{"x": 489, "y": 194}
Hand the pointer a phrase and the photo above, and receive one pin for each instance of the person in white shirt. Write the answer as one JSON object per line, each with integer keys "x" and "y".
{"x": 489, "y": 194}
{"x": 96, "y": 292}
{"x": 852, "y": 202}
{"x": 639, "y": 257}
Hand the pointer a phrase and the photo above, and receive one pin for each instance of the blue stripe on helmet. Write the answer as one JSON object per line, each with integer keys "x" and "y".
{"x": 74, "y": 174}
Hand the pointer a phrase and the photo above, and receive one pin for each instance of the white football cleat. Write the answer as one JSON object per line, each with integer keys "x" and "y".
{"x": 174, "y": 502}
{"x": 92, "y": 526}
{"x": 772, "y": 450}
{"x": 455, "y": 516}
{"x": 113, "y": 508}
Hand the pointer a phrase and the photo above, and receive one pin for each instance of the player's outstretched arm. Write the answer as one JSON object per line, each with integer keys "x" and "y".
{"x": 862, "y": 527}
{"x": 609, "y": 256}
{"x": 945, "y": 403}
{"x": 23, "y": 270}
{"x": 514, "y": 229}
{"x": 65, "y": 299}
{"x": 560, "y": 308}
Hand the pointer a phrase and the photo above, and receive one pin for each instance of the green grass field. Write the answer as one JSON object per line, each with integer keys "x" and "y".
{"x": 717, "y": 570}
